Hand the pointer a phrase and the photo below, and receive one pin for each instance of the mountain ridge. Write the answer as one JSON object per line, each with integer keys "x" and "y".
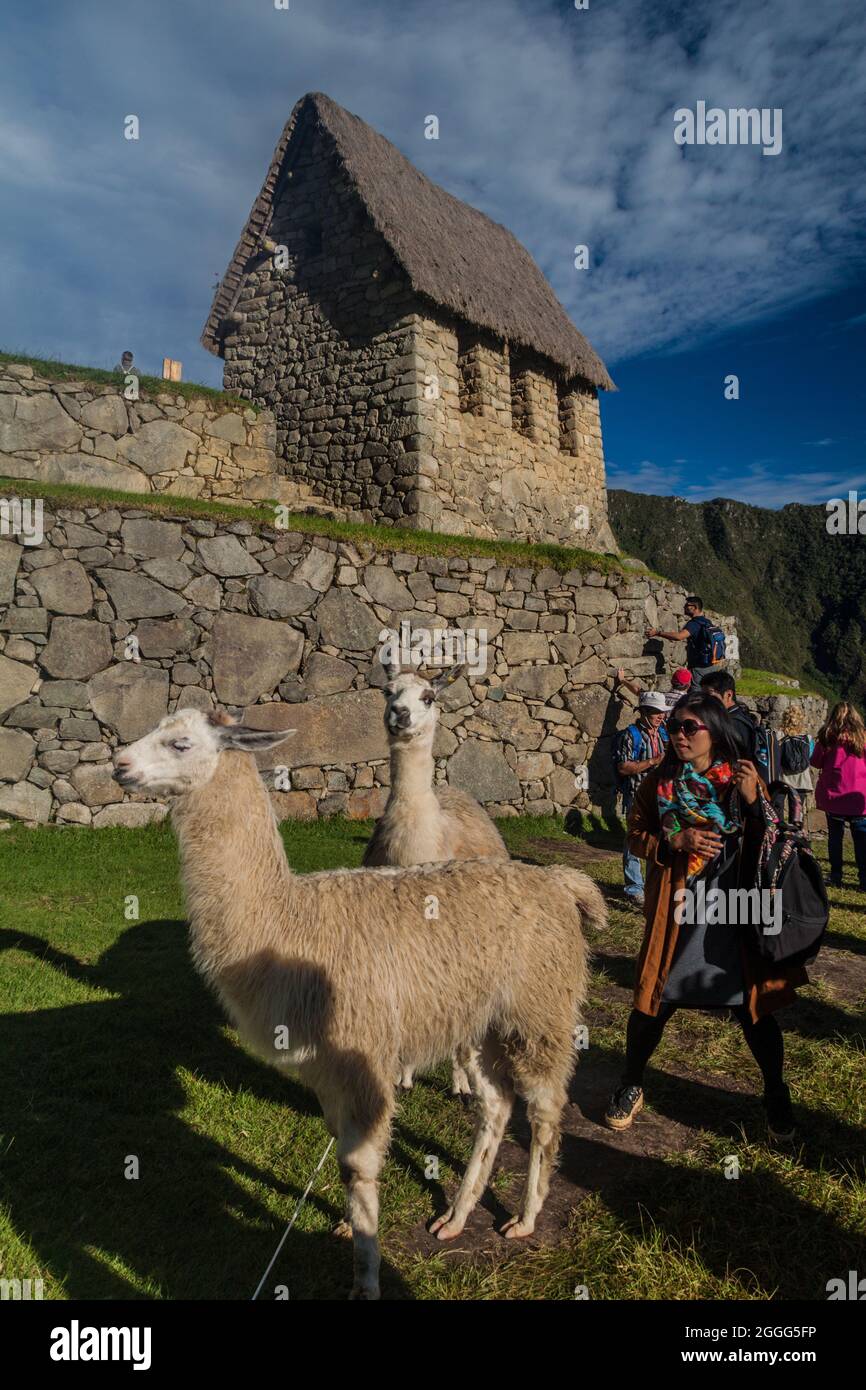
{"x": 799, "y": 593}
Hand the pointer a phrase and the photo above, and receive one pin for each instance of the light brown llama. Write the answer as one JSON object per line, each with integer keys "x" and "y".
{"x": 423, "y": 824}
{"x": 338, "y": 975}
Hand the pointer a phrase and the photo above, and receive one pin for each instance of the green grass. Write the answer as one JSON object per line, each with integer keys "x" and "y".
{"x": 386, "y": 539}
{"x": 111, "y": 1046}
{"x": 754, "y": 683}
{"x": 54, "y": 370}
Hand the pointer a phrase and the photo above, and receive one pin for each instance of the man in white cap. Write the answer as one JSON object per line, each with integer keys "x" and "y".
{"x": 635, "y": 750}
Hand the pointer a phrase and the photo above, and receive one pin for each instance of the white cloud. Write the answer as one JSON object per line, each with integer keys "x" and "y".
{"x": 557, "y": 122}
{"x": 756, "y": 485}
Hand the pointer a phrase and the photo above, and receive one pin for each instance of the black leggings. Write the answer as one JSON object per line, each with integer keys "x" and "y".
{"x": 764, "y": 1038}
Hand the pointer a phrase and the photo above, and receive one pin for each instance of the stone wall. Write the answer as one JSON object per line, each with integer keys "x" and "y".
{"x": 86, "y": 433}
{"x": 285, "y": 628}
{"x": 391, "y": 411}
{"x": 509, "y": 452}
{"x": 326, "y": 344}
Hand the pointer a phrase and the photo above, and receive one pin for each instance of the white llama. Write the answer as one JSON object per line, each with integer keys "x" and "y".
{"x": 339, "y": 975}
{"x": 423, "y": 824}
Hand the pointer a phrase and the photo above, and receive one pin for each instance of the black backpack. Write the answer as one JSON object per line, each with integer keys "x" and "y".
{"x": 792, "y": 870}
{"x": 795, "y": 753}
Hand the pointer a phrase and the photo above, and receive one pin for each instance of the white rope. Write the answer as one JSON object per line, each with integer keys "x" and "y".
{"x": 295, "y": 1214}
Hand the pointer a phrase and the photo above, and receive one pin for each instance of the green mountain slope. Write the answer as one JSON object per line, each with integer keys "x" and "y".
{"x": 799, "y": 593}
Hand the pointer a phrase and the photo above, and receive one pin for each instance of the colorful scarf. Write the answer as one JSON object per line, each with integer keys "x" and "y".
{"x": 692, "y": 799}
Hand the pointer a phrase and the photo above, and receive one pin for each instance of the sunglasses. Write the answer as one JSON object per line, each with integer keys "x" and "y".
{"x": 688, "y": 727}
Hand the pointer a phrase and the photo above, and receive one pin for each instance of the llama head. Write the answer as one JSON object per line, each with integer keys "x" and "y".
{"x": 411, "y": 713}
{"x": 182, "y": 752}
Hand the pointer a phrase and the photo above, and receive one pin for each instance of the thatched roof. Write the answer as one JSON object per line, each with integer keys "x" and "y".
{"x": 451, "y": 252}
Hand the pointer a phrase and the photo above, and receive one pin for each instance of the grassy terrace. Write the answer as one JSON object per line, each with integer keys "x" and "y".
{"x": 374, "y": 538}
{"x": 110, "y": 1045}
{"x": 753, "y": 682}
{"x": 53, "y": 370}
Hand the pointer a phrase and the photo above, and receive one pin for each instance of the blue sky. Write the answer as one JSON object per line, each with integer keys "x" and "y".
{"x": 706, "y": 260}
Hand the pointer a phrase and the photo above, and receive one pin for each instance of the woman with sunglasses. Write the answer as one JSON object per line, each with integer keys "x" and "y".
{"x": 702, "y": 813}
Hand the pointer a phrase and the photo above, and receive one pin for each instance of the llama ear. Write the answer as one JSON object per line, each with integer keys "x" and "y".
{"x": 449, "y": 677}
{"x": 391, "y": 669}
{"x": 252, "y": 740}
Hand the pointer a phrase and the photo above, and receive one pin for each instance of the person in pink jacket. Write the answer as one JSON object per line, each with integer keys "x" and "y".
{"x": 840, "y": 756}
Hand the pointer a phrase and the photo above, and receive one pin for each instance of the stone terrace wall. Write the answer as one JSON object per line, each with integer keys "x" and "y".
{"x": 87, "y": 433}
{"x": 285, "y": 628}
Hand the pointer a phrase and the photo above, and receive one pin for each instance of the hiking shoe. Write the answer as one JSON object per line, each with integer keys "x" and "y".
{"x": 636, "y": 899}
{"x": 624, "y": 1104}
{"x": 780, "y": 1115}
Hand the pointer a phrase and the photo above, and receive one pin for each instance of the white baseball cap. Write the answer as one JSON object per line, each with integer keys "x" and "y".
{"x": 653, "y": 699}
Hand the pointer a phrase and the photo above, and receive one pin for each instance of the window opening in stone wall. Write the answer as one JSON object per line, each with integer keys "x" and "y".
{"x": 520, "y": 411}
{"x": 314, "y": 240}
{"x": 568, "y": 401}
{"x": 468, "y": 370}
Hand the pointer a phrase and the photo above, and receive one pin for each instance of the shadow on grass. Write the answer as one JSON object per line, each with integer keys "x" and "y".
{"x": 602, "y": 832}
{"x": 85, "y": 1085}
{"x": 844, "y": 941}
{"x": 733, "y": 1224}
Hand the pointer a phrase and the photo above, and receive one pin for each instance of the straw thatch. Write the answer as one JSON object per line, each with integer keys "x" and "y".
{"x": 451, "y": 252}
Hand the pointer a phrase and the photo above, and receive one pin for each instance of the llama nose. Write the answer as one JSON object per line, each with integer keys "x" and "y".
{"x": 122, "y": 771}
{"x": 404, "y": 718}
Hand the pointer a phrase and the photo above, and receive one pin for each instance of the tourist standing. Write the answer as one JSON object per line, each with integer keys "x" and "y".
{"x": 636, "y": 750}
{"x": 794, "y": 754}
{"x": 702, "y": 812}
{"x": 840, "y": 756}
{"x": 705, "y": 643}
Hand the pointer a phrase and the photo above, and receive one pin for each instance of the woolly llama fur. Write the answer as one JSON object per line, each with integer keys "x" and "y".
{"x": 339, "y": 975}
{"x": 423, "y": 824}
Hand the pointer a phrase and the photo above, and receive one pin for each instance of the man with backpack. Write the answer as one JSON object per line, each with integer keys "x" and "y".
{"x": 755, "y": 742}
{"x": 635, "y": 750}
{"x": 705, "y": 642}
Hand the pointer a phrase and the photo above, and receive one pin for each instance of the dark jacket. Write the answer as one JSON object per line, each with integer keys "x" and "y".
{"x": 766, "y": 986}
{"x": 743, "y": 726}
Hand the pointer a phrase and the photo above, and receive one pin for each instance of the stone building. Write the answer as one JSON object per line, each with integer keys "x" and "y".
{"x": 420, "y": 368}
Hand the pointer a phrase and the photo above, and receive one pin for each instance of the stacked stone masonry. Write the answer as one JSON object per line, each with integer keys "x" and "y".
{"x": 388, "y": 408}
{"x": 284, "y": 628}
{"x": 86, "y": 433}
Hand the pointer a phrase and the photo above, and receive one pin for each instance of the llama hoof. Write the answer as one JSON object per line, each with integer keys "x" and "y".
{"x": 343, "y": 1229}
{"x": 445, "y": 1227}
{"x": 515, "y": 1228}
{"x": 465, "y": 1098}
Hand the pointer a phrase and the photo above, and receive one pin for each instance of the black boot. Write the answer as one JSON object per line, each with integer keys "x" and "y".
{"x": 780, "y": 1115}
{"x": 624, "y": 1104}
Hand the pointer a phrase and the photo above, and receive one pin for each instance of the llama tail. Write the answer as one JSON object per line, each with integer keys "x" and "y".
{"x": 587, "y": 899}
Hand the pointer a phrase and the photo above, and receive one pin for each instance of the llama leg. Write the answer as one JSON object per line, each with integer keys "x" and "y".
{"x": 405, "y": 1077}
{"x": 361, "y": 1148}
{"x": 544, "y": 1103}
{"x": 459, "y": 1080}
{"x": 495, "y": 1097}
